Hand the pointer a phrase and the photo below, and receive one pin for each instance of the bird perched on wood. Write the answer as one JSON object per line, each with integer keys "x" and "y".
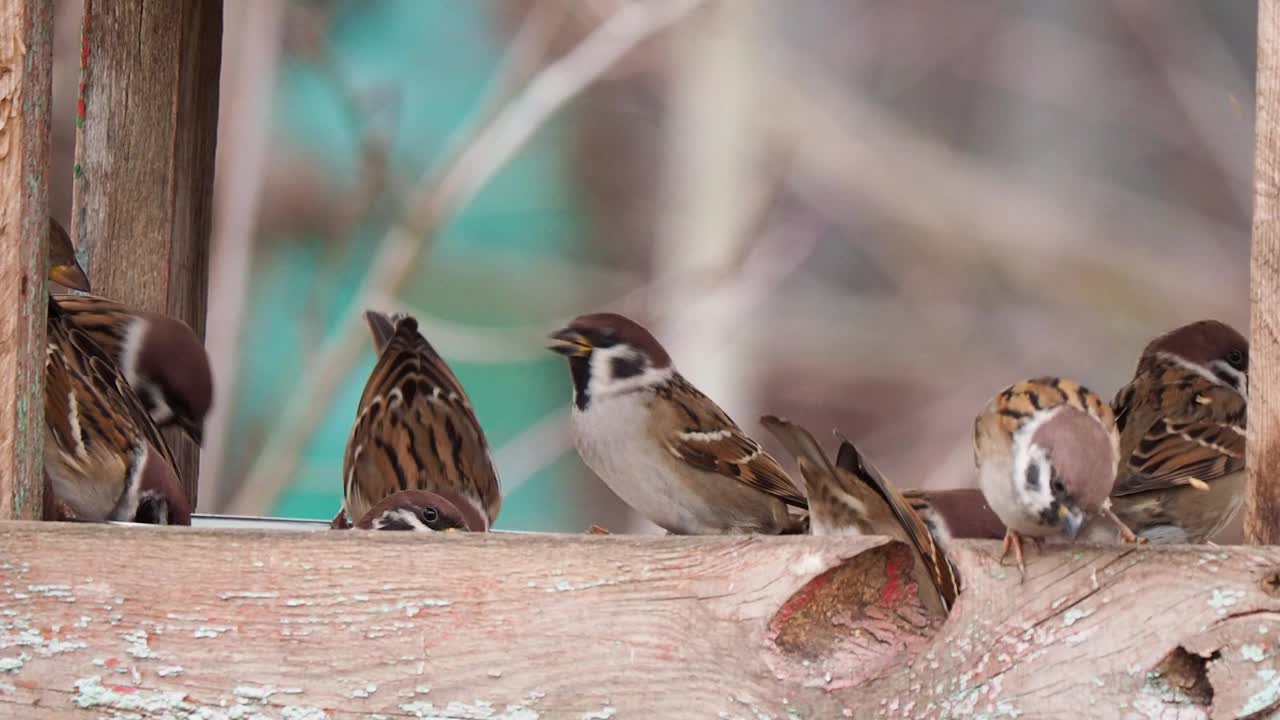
{"x": 419, "y": 511}
{"x": 104, "y": 458}
{"x": 161, "y": 357}
{"x": 415, "y": 430}
{"x": 851, "y": 497}
{"x": 1046, "y": 452}
{"x": 1182, "y": 434}
{"x": 662, "y": 446}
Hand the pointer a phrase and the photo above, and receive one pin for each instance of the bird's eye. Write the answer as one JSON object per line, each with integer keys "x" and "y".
{"x": 429, "y": 515}
{"x": 1236, "y": 359}
{"x": 1058, "y": 487}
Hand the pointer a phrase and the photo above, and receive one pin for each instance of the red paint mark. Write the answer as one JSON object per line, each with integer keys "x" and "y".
{"x": 895, "y": 587}
{"x": 801, "y": 598}
{"x": 112, "y": 662}
{"x": 84, "y": 62}
{"x": 25, "y": 684}
{"x": 125, "y": 689}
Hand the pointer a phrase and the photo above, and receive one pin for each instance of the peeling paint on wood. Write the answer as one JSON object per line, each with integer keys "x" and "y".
{"x": 464, "y": 627}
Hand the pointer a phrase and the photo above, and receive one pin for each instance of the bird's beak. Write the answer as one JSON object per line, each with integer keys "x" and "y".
{"x": 69, "y": 276}
{"x": 1072, "y": 521}
{"x": 570, "y": 343}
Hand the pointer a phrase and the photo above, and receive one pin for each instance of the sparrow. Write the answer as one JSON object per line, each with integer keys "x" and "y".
{"x": 662, "y": 446}
{"x": 851, "y": 497}
{"x": 415, "y": 430}
{"x": 1182, "y": 434}
{"x": 416, "y": 510}
{"x": 161, "y": 357}
{"x": 104, "y": 457}
{"x": 1046, "y": 453}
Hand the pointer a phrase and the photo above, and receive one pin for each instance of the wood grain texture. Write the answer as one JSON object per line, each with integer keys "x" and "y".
{"x": 1262, "y": 504}
{"x": 26, "y": 60}
{"x": 142, "y": 202}
{"x": 140, "y": 622}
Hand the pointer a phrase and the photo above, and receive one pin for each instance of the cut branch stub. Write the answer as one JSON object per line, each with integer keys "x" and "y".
{"x": 854, "y": 621}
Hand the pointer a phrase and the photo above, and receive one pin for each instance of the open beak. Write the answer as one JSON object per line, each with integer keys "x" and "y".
{"x": 570, "y": 343}
{"x": 1072, "y": 521}
{"x": 69, "y": 276}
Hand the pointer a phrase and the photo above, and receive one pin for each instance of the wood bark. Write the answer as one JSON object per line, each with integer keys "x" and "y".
{"x": 147, "y": 129}
{"x": 26, "y": 60}
{"x": 1262, "y": 506}
{"x": 140, "y": 622}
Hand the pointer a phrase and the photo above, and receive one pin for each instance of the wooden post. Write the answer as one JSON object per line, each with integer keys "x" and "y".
{"x": 144, "y": 622}
{"x": 147, "y": 129}
{"x": 26, "y": 60}
{"x": 1262, "y": 505}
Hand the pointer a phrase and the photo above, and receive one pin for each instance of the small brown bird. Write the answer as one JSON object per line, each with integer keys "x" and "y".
{"x": 415, "y": 430}
{"x": 104, "y": 458}
{"x": 161, "y": 357}
{"x": 418, "y": 511}
{"x": 1046, "y": 452}
{"x": 662, "y": 446}
{"x": 1182, "y": 434}
{"x": 851, "y": 497}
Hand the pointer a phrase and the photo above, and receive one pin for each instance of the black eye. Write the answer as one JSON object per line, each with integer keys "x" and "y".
{"x": 1237, "y": 360}
{"x": 429, "y": 515}
{"x": 1058, "y": 487}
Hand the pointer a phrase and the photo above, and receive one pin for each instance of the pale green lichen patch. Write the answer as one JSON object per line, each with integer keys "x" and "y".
{"x": 247, "y": 595}
{"x": 1267, "y": 697}
{"x": 298, "y": 712}
{"x": 1253, "y": 653}
{"x": 171, "y": 671}
{"x": 91, "y": 693}
{"x": 1222, "y": 600}
{"x": 603, "y": 713}
{"x": 1074, "y": 615}
{"x": 13, "y": 664}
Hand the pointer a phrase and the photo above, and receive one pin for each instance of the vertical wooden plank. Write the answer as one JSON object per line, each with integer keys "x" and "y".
{"x": 145, "y": 145}
{"x": 26, "y": 60}
{"x": 1262, "y": 506}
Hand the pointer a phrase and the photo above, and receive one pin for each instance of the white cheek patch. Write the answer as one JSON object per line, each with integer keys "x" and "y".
{"x": 603, "y": 384}
{"x": 1241, "y": 380}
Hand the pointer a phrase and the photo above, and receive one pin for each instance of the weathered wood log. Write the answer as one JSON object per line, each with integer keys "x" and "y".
{"x": 99, "y": 621}
{"x": 26, "y": 59}
{"x": 147, "y": 129}
{"x": 1262, "y": 508}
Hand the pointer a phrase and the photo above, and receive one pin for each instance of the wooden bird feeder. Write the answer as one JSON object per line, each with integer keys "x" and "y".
{"x": 102, "y": 621}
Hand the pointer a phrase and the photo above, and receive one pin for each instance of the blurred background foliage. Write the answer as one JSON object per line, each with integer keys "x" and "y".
{"x": 864, "y": 214}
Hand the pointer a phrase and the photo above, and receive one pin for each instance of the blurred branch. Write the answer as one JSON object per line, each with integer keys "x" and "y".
{"x": 250, "y": 55}
{"x": 484, "y": 146}
{"x": 1021, "y": 224}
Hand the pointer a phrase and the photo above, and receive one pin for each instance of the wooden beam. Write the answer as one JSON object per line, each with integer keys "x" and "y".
{"x": 26, "y": 60}
{"x": 1262, "y": 505}
{"x": 148, "y": 622}
{"x": 145, "y": 143}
